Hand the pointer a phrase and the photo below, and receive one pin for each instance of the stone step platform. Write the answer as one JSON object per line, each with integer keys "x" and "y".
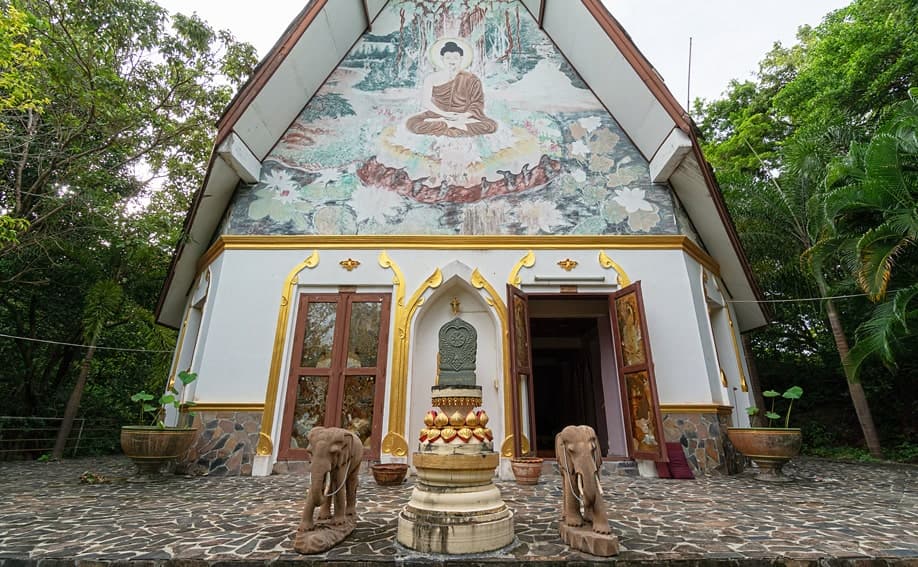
{"x": 831, "y": 514}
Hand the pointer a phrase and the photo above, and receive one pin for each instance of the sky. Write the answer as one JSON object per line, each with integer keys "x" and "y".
{"x": 729, "y": 37}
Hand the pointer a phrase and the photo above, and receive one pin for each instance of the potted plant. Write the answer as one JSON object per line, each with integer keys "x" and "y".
{"x": 526, "y": 470}
{"x": 389, "y": 474}
{"x": 152, "y": 444}
{"x": 772, "y": 446}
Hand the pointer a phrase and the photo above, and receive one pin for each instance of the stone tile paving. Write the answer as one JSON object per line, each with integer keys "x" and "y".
{"x": 832, "y": 514}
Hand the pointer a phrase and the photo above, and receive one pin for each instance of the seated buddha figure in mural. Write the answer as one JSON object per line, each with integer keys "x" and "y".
{"x": 452, "y": 98}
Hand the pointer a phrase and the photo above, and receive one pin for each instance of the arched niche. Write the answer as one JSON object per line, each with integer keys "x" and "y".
{"x": 422, "y": 370}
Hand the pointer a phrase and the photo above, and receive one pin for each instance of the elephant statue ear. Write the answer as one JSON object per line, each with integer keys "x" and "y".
{"x": 597, "y": 454}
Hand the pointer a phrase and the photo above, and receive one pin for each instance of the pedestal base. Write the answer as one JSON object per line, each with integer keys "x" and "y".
{"x": 586, "y": 540}
{"x": 324, "y": 536}
{"x": 455, "y": 507}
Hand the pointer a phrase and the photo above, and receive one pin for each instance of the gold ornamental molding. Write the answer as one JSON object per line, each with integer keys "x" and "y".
{"x": 526, "y": 261}
{"x": 744, "y": 386}
{"x": 494, "y": 300}
{"x": 181, "y": 341}
{"x": 607, "y": 263}
{"x": 460, "y": 242}
{"x": 223, "y": 406}
{"x": 506, "y": 448}
{"x": 350, "y": 264}
{"x": 696, "y": 408}
{"x": 394, "y": 441}
{"x": 265, "y": 439}
{"x": 567, "y": 264}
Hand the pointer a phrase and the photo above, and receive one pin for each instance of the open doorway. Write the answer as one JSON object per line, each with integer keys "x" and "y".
{"x": 574, "y": 377}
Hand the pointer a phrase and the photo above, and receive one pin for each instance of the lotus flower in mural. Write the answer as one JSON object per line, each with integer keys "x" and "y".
{"x": 536, "y": 216}
{"x": 279, "y": 181}
{"x": 374, "y": 204}
{"x": 632, "y": 199}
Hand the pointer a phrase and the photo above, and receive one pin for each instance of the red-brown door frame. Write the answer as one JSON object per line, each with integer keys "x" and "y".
{"x": 338, "y": 370}
{"x": 645, "y": 366}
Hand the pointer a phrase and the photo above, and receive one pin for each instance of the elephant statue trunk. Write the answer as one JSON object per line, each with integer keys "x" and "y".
{"x": 577, "y": 450}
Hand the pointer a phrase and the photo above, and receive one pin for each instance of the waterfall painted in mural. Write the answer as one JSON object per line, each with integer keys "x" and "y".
{"x": 454, "y": 117}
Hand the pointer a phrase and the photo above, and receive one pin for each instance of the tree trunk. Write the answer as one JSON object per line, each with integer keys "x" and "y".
{"x": 754, "y": 385}
{"x": 73, "y": 405}
{"x": 858, "y": 398}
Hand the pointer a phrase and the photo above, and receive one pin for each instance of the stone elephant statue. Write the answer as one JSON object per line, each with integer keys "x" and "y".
{"x": 335, "y": 461}
{"x": 579, "y": 459}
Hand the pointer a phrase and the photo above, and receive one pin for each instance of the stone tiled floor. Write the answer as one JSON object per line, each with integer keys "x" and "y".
{"x": 832, "y": 514}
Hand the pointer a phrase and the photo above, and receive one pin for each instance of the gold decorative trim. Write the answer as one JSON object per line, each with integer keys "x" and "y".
{"x": 494, "y": 300}
{"x": 744, "y": 386}
{"x": 464, "y": 242}
{"x": 265, "y": 441}
{"x": 439, "y": 401}
{"x": 696, "y": 408}
{"x": 178, "y": 354}
{"x": 567, "y": 264}
{"x": 395, "y": 444}
{"x": 223, "y": 406}
{"x": 606, "y": 262}
{"x": 403, "y": 314}
{"x": 349, "y": 264}
{"x": 265, "y": 445}
{"x": 506, "y": 448}
{"x": 181, "y": 342}
{"x": 526, "y": 261}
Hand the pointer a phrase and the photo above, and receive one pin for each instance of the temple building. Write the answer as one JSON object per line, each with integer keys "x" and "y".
{"x": 392, "y": 163}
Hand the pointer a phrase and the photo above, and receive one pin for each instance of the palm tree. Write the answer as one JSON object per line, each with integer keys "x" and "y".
{"x": 872, "y": 209}
{"x": 785, "y": 219}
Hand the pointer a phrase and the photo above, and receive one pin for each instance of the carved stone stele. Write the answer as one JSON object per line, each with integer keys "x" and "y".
{"x": 458, "y": 342}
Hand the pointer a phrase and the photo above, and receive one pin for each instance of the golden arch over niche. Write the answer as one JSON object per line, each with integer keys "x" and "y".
{"x": 265, "y": 437}
{"x": 394, "y": 443}
{"x": 606, "y": 262}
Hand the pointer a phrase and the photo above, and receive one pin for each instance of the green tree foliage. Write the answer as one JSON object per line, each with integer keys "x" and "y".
{"x": 101, "y": 173}
{"x": 872, "y": 204}
{"x": 771, "y": 141}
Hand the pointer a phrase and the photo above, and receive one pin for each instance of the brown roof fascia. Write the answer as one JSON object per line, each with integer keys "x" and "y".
{"x": 638, "y": 62}
{"x": 727, "y": 220}
{"x": 263, "y": 72}
{"x": 186, "y": 227}
{"x": 645, "y": 70}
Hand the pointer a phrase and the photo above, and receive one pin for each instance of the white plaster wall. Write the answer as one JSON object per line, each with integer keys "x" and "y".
{"x": 234, "y": 350}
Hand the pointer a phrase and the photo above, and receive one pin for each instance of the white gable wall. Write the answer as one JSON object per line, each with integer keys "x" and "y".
{"x": 608, "y": 73}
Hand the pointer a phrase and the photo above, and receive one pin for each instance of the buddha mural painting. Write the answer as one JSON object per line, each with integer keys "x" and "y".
{"x": 452, "y": 99}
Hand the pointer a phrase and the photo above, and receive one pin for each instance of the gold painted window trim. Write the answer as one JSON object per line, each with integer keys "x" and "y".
{"x": 394, "y": 442}
{"x": 265, "y": 437}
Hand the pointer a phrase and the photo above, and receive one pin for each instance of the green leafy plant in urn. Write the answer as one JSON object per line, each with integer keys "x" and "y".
{"x": 770, "y": 447}
{"x": 153, "y": 444}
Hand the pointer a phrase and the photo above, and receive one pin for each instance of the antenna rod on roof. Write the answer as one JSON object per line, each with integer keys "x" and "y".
{"x": 688, "y": 90}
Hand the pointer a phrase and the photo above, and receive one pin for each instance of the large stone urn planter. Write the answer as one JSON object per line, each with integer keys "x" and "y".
{"x": 768, "y": 447}
{"x": 152, "y": 447}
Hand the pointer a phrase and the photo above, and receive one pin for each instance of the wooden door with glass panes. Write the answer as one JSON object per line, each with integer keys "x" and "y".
{"x": 337, "y": 369}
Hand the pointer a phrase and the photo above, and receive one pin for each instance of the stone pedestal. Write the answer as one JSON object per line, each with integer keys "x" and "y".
{"x": 324, "y": 536}
{"x": 585, "y": 539}
{"x": 455, "y": 507}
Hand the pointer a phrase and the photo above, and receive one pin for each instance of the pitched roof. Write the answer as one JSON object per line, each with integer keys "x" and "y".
{"x": 585, "y": 32}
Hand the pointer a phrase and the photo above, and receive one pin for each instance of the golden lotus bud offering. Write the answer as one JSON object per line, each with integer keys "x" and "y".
{"x": 441, "y": 420}
{"x": 457, "y": 419}
{"x": 430, "y": 417}
{"x": 483, "y": 418}
{"x": 471, "y": 419}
